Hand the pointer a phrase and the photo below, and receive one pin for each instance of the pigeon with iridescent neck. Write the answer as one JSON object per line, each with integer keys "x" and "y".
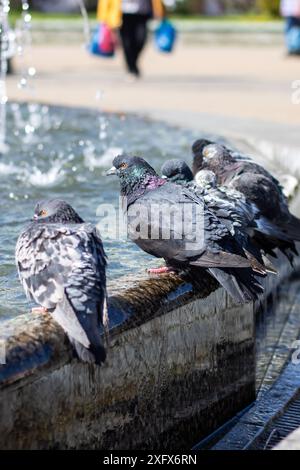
{"x": 61, "y": 265}
{"x": 157, "y": 224}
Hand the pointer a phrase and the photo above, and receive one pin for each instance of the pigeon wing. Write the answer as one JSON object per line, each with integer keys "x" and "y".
{"x": 184, "y": 245}
{"x": 63, "y": 268}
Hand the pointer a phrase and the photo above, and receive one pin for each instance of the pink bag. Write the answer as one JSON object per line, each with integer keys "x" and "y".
{"x": 103, "y": 41}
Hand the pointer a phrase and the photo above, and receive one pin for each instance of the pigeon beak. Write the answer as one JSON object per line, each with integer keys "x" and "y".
{"x": 112, "y": 171}
{"x": 164, "y": 177}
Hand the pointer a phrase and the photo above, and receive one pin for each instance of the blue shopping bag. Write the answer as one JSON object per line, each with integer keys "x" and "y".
{"x": 165, "y": 36}
{"x": 103, "y": 41}
{"x": 292, "y": 38}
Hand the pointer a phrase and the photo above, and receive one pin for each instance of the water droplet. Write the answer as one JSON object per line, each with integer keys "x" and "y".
{"x": 27, "y": 18}
{"x": 29, "y": 129}
{"x": 99, "y": 95}
{"x": 25, "y": 6}
{"x": 31, "y": 71}
{"x": 22, "y": 83}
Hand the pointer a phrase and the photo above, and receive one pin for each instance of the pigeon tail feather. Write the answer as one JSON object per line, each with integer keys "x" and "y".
{"x": 240, "y": 284}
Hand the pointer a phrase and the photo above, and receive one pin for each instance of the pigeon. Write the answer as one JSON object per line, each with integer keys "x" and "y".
{"x": 257, "y": 184}
{"x": 228, "y": 205}
{"x": 241, "y": 215}
{"x": 197, "y": 149}
{"x": 177, "y": 171}
{"x": 201, "y": 241}
{"x": 261, "y": 188}
{"x": 61, "y": 265}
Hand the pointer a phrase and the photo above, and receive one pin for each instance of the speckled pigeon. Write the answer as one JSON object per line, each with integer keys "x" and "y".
{"x": 61, "y": 265}
{"x": 220, "y": 253}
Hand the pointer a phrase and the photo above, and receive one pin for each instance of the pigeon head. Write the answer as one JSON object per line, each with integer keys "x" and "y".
{"x": 134, "y": 174}
{"x": 177, "y": 171}
{"x": 197, "y": 149}
{"x": 206, "y": 178}
{"x": 53, "y": 211}
{"x": 217, "y": 153}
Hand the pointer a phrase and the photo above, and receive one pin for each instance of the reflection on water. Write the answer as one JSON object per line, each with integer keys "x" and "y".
{"x": 58, "y": 152}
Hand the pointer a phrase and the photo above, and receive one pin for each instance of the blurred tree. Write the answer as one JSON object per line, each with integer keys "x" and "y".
{"x": 58, "y": 5}
{"x": 214, "y": 7}
{"x": 239, "y": 6}
{"x": 272, "y": 7}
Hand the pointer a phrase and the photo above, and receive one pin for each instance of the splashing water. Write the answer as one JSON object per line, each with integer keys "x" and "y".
{"x": 4, "y": 50}
{"x": 86, "y": 24}
{"x": 19, "y": 42}
{"x": 53, "y": 177}
{"x": 12, "y": 42}
{"x": 105, "y": 160}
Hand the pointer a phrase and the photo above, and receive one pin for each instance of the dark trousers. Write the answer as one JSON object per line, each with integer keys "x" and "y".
{"x": 290, "y": 22}
{"x": 133, "y": 34}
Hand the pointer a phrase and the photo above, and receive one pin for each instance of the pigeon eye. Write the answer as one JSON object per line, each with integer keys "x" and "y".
{"x": 42, "y": 213}
{"x": 123, "y": 166}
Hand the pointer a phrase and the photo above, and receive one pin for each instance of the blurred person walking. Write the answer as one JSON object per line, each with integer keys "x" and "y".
{"x": 290, "y": 10}
{"x": 131, "y": 17}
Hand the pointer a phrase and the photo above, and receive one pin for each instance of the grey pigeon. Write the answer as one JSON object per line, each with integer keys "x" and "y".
{"x": 236, "y": 211}
{"x": 177, "y": 171}
{"x": 197, "y": 150}
{"x": 237, "y": 171}
{"x": 228, "y": 205}
{"x": 61, "y": 265}
{"x": 219, "y": 252}
{"x": 256, "y": 183}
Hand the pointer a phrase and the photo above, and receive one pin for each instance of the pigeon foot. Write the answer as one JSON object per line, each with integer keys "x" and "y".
{"x": 162, "y": 270}
{"x": 39, "y": 310}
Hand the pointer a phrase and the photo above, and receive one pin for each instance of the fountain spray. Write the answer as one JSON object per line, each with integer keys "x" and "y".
{"x": 4, "y": 48}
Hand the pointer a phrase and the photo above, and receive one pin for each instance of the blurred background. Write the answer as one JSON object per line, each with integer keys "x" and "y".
{"x": 183, "y": 7}
{"x": 230, "y": 71}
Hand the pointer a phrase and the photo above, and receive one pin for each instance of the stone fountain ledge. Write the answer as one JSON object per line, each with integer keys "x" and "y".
{"x": 181, "y": 361}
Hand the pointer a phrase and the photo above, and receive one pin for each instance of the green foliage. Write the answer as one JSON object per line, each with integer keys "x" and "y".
{"x": 270, "y": 7}
{"x": 185, "y": 7}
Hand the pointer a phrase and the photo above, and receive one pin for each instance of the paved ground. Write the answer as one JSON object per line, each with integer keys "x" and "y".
{"x": 243, "y": 89}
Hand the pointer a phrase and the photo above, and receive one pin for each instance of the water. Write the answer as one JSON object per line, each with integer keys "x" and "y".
{"x": 59, "y": 152}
